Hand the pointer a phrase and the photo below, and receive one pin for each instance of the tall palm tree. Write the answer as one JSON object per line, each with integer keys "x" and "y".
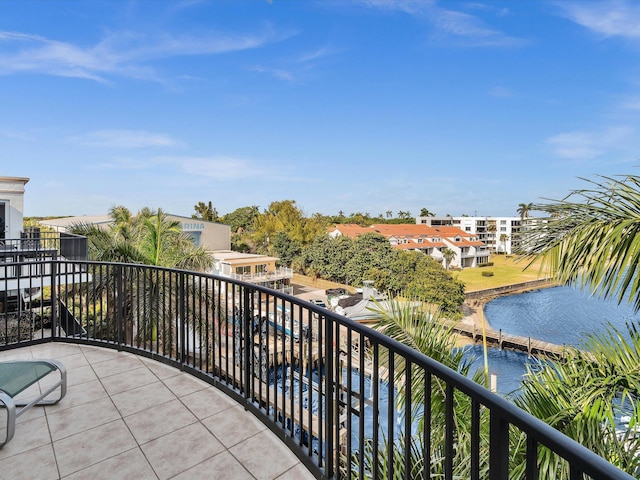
{"x": 148, "y": 238}
{"x": 503, "y": 238}
{"x": 448, "y": 255}
{"x": 523, "y": 210}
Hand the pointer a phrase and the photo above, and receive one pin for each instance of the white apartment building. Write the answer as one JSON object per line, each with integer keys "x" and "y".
{"x": 498, "y": 233}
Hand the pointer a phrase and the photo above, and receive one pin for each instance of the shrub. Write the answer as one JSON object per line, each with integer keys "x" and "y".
{"x": 485, "y": 264}
{"x": 487, "y": 274}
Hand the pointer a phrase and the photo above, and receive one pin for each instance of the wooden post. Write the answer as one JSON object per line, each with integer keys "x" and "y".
{"x": 494, "y": 382}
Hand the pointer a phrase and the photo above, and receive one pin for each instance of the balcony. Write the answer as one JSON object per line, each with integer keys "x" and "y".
{"x": 281, "y": 273}
{"x": 126, "y": 416}
{"x": 36, "y": 245}
{"x": 180, "y": 373}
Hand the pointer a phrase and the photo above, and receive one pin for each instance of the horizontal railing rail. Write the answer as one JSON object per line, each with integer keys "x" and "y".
{"x": 348, "y": 400}
{"x": 36, "y": 244}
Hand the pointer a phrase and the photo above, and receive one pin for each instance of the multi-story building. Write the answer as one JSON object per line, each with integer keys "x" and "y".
{"x": 24, "y": 283}
{"x": 499, "y": 234}
{"x": 469, "y": 250}
{"x": 216, "y": 239}
{"x": 258, "y": 269}
{"x": 211, "y": 236}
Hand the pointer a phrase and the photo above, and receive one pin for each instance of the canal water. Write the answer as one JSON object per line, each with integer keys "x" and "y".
{"x": 560, "y": 315}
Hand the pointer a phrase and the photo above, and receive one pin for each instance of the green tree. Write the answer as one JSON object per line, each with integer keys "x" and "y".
{"x": 286, "y": 249}
{"x": 523, "y": 210}
{"x": 427, "y": 333}
{"x": 368, "y": 251}
{"x": 448, "y": 255}
{"x": 585, "y": 396}
{"x": 205, "y": 212}
{"x": 503, "y": 239}
{"x": 241, "y": 219}
{"x": 424, "y": 212}
{"x": 431, "y": 283}
{"x": 284, "y": 216}
{"x": 592, "y": 239}
{"x": 148, "y": 238}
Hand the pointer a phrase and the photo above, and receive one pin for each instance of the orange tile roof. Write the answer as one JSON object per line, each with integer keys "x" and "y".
{"x": 412, "y": 231}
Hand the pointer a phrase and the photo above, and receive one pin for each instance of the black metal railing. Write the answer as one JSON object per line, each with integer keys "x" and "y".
{"x": 349, "y": 401}
{"x": 34, "y": 244}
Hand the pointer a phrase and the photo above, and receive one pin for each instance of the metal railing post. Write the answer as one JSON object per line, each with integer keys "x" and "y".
{"x": 330, "y": 393}
{"x": 248, "y": 341}
{"x": 119, "y": 303}
{"x": 54, "y": 299}
{"x": 183, "y": 322}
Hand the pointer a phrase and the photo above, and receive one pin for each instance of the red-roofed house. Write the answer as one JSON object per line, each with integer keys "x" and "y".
{"x": 468, "y": 248}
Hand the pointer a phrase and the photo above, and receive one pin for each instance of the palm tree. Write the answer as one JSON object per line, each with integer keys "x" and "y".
{"x": 592, "y": 397}
{"x": 448, "y": 255}
{"x": 523, "y": 210}
{"x": 592, "y": 239}
{"x": 503, "y": 238}
{"x": 428, "y": 334}
{"x": 148, "y": 238}
{"x": 424, "y": 212}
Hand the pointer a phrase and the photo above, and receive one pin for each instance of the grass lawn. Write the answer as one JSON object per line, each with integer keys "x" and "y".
{"x": 506, "y": 271}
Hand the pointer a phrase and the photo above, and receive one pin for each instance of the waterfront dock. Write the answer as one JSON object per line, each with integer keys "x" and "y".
{"x": 529, "y": 345}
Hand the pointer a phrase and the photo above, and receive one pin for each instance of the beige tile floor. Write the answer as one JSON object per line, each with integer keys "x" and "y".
{"x": 126, "y": 416}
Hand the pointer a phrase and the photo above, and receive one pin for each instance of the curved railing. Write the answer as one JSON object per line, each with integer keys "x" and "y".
{"x": 347, "y": 400}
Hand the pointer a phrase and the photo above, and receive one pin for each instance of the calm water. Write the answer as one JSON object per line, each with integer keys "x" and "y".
{"x": 560, "y": 315}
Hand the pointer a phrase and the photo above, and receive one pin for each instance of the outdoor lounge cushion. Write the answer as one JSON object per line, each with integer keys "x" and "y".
{"x": 17, "y": 376}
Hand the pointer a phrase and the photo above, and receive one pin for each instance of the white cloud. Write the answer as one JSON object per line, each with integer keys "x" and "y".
{"x": 589, "y": 145}
{"x": 616, "y": 18}
{"x": 121, "y": 54}
{"x": 125, "y": 139}
{"x": 217, "y": 167}
{"x": 632, "y": 104}
{"x": 315, "y": 55}
{"x": 275, "y": 72}
{"x": 449, "y": 26}
{"x": 126, "y": 164}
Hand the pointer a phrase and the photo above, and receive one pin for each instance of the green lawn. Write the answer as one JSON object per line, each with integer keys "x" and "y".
{"x": 506, "y": 271}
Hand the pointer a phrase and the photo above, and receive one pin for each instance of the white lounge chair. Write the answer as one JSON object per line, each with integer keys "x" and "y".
{"x": 17, "y": 376}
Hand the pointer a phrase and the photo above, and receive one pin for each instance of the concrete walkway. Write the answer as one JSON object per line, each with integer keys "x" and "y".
{"x": 125, "y": 416}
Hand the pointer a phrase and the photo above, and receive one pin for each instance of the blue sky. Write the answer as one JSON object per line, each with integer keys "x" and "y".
{"x": 462, "y": 107}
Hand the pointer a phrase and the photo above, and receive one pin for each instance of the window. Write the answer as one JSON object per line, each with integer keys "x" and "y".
{"x": 467, "y": 229}
{"x": 503, "y": 222}
{"x": 243, "y": 270}
{"x": 195, "y": 237}
{"x": 261, "y": 268}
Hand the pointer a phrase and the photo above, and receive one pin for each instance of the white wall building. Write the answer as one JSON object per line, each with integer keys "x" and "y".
{"x": 498, "y": 233}
{"x": 11, "y": 206}
{"x": 469, "y": 250}
{"x": 209, "y": 235}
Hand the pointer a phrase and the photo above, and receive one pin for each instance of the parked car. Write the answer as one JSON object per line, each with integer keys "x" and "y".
{"x": 319, "y": 303}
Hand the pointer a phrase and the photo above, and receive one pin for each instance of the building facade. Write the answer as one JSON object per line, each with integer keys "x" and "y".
{"x": 253, "y": 268}
{"x": 499, "y": 234}
{"x": 209, "y": 235}
{"x": 468, "y": 249}
{"x": 11, "y": 206}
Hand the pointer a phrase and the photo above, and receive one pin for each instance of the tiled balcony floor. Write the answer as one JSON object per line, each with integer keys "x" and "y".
{"x": 126, "y": 416}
